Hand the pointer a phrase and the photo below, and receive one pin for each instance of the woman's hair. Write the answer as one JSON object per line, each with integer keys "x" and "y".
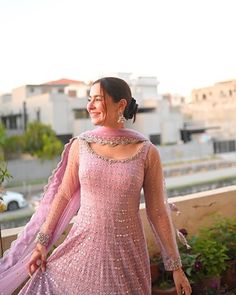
{"x": 118, "y": 89}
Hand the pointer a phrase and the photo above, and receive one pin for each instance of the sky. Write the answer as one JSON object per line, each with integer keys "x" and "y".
{"x": 186, "y": 44}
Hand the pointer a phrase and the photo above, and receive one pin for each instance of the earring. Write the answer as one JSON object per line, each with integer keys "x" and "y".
{"x": 121, "y": 118}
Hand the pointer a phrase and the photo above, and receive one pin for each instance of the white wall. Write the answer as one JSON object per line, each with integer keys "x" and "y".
{"x": 44, "y": 103}
{"x": 61, "y": 114}
{"x": 81, "y": 125}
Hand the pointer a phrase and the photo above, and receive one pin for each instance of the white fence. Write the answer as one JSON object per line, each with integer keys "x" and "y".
{"x": 32, "y": 169}
{"x": 186, "y": 152}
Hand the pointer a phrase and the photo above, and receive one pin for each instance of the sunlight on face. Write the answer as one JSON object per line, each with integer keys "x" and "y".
{"x": 102, "y": 110}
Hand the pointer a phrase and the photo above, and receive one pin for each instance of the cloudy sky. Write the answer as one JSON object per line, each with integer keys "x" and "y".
{"x": 185, "y": 43}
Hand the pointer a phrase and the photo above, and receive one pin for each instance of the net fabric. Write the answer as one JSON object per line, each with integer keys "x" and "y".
{"x": 13, "y": 265}
{"x": 158, "y": 212}
{"x": 68, "y": 186}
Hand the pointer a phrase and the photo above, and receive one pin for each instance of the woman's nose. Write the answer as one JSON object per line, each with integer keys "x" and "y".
{"x": 90, "y": 105}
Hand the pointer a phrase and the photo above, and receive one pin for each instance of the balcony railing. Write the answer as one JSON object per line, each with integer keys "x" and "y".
{"x": 197, "y": 211}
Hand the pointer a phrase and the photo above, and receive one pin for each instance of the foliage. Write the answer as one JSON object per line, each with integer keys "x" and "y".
{"x": 155, "y": 259}
{"x": 14, "y": 146}
{"x": 3, "y": 135}
{"x": 212, "y": 256}
{"x": 191, "y": 260}
{"x": 4, "y": 174}
{"x": 223, "y": 231}
{"x": 207, "y": 258}
{"x": 165, "y": 279}
{"x": 191, "y": 263}
{"x": 41, "y": 141}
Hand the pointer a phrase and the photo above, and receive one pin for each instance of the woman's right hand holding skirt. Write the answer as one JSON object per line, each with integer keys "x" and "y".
{"x": 38, "y": 259}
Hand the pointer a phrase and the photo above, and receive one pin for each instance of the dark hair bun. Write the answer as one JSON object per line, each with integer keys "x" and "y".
{"x": 131, "y": 110}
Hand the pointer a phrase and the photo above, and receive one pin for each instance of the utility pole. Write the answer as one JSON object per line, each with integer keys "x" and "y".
{"x": 25, "y": 115}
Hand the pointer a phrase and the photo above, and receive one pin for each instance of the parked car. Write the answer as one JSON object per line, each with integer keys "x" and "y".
{"x": 13, "y": 200}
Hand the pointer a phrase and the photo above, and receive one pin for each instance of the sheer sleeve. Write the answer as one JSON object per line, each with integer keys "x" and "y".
{"x": 158, "y": 212}
{"x": 68, "y": 186}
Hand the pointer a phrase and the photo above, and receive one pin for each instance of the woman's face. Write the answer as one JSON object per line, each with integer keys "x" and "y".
{"x": 102, "y": 112}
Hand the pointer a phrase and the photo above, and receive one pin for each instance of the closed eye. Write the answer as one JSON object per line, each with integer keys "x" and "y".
{"x": 95, "y": 98}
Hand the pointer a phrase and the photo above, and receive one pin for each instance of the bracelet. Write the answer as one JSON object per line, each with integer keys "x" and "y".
{"x": 173, "y": 264}
{"x": 43, "y": 238}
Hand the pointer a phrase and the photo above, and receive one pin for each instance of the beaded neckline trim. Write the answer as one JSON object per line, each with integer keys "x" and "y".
{"x": 112, "y": 141}
{"x": 91, "y": 151}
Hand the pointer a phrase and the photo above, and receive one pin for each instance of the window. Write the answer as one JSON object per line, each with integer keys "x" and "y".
{"x": 38, "y": 115}
{"x": 60, "y": 90}
{"x": 4, "y": 121}
{"x": 81, "y": 114}
{"x": 72, "y": 93}
{"x": 204, "y": 96}
{"x": 146, "y": 110}
{"x": 12, "y": 122}
{"x": 155, "y": 139}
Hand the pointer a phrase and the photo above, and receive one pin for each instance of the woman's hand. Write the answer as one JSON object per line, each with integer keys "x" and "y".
{"x": 38, "y": 259}
{"x": 181, "y": 282}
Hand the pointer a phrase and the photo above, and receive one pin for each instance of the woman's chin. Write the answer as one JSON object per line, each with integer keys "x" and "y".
{"x": 97, "y": 122}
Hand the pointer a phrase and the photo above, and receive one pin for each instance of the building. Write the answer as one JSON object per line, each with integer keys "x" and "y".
{"x": 62, "y": 104}
{"x": 50, "y": 103}
{"x": 214, "y": 108}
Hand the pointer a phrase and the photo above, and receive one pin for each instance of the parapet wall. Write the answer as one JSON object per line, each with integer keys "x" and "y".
{"x": 197, "y": 211}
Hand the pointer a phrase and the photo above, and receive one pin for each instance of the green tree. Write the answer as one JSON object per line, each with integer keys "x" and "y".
{"x": 14, "y": 146}
{"x": 3, "y": 137}
{"x": 41, "y": 141}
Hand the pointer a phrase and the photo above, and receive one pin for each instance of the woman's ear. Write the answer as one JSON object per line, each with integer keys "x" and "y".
{"x": 122, "y": 104}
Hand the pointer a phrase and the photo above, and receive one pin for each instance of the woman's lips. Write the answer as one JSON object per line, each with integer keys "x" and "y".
{"x": 94, "y": 114}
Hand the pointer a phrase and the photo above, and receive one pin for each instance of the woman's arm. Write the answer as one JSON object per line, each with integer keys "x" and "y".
{"x": 70, "y": 183}
{"x": 158, "y": 212}
{"x": 68, "y": 186}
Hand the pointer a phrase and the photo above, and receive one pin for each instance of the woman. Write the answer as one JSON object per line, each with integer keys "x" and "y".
{"x": 105, "y": 251}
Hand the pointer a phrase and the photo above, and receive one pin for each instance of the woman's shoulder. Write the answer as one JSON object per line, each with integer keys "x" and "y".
{"x": 84, "y": 134}
{"x": 153, "y": 151}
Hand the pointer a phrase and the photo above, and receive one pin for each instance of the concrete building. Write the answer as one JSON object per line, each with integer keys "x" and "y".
{"x": 62, "y": 104}
{"x": 50, "y": 103}
{"x": 214, "y": 107}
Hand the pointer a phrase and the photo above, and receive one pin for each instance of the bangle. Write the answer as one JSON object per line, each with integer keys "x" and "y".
{"x": 43, "y": 238}
{"x": 173, "y": 264}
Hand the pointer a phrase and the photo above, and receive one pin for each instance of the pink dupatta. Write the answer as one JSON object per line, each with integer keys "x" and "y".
{"x": 13, "y": 265}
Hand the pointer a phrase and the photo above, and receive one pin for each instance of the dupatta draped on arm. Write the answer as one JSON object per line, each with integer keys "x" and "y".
{"x": 13, "y": 265}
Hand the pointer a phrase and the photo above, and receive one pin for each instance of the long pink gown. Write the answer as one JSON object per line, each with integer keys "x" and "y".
{"x": 105, "y": 252}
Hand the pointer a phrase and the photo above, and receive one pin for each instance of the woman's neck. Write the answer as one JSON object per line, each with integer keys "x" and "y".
{"x": 115, "y": 127}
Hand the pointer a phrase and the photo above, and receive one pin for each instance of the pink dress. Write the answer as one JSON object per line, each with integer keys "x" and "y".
{"x": 105, "y": 253}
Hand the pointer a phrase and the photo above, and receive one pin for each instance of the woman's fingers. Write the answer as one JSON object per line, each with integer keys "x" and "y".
{"x": 186, "y": 290}
{"x": 43, "y": 263}
{"x": 35, "y": 262}
{"x": 179, "y": 290}
{"x": 181, "y": 282}
{"x": 32, "y": 268}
